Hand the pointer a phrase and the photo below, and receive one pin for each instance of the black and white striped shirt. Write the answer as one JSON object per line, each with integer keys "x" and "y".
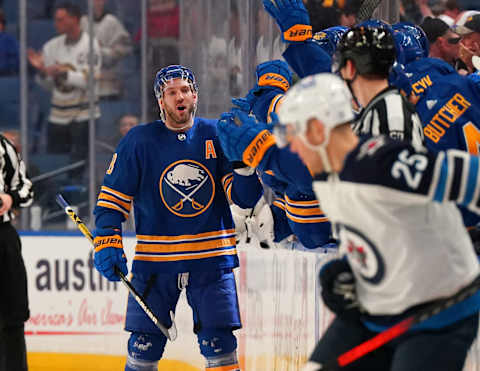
{"x": 13, "y": 179}
{"x": 389, "y": 113}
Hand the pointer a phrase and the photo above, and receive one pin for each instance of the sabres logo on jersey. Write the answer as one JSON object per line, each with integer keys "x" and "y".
{"x": 187, "y": 188}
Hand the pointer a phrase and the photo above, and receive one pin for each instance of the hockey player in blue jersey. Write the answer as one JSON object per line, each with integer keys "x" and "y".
{"x": 295, "y": 208}
{"x": 392, "y": 205}
{"x": 447, "y": 103}
{"x": 174, "y": 174}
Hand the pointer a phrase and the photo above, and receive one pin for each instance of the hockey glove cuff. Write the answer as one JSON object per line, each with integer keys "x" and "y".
{"x": 292, "y": 18}
{"x": 338, "y": 289}
{"x": 243, "y": 138}
{"x": 109, "y": 253}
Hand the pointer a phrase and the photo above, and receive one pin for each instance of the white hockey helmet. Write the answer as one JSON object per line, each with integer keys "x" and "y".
{"x": 323, "y": 96}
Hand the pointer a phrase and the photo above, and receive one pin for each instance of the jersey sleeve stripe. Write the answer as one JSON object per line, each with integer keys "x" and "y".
{"x": 302, "y": 219}
{"x": 110, "y": 205}
{"x": 472, "y": 183}
{"x": 118, "y": 194}
{"x": 105, "y": 196}
{"x": 273, "y": 106}
{"x": 457, "y": 177}
{"x": 440, "y": 183}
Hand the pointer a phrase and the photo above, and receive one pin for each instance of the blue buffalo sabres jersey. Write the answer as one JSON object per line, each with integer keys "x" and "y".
{"x": 178, "y": 184}
{"x": 393, "y": 206}
{"x": 449, "y": 107}
{"x": 300, "y": 212}
{"x": 286, "y": 174}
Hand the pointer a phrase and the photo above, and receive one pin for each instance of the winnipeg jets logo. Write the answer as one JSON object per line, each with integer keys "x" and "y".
{"x": 187, "y": 188}
{"x": 363, "y": 255}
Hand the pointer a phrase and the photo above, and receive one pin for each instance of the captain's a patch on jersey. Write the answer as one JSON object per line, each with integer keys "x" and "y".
{"x": 187, "y": 188}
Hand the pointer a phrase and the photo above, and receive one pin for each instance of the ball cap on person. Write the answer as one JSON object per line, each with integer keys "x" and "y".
{"x": 434, "y": 28}
{"x": 472, "y": 24}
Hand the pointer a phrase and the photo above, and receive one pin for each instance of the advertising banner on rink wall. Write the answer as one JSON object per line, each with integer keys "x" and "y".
{"x": 77, "y": 316}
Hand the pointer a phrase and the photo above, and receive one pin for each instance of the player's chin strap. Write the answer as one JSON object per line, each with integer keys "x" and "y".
{"x": 349, "y": 83}
{"x": 321, "y": 149}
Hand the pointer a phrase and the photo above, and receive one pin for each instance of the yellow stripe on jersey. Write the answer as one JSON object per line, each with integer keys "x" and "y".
{"x": 304, "y": 211}
{"x": 301, "y": 203}
{"x": 227, "y": 182}
{"x": 279, "y": 202}
{"x": 306, "y": 219}
{"x": 120, "y": 195}
{"x": 275, "y": 104}
{"x": 107, "y": 197}
{"x": 186, "y": 237}
{"x": 185, "y": 247}
{"x": 110, "y": 205}
{"x": 176, "y": 257}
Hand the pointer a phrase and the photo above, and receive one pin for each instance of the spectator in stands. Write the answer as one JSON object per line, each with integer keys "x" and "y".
{"x": 8, "y": 50}
{"x": 443, "y": 41}
{"x": 115, "y": 43}
{"x": 470, "y": 44}
{"x": 125, "y": 123}
{"x": 163, "y": 25}
{"x": 348, "y": 14}
{"x": 414, "y": 11}
{"x": 63, "y": 68}
{"x": 323, "y": 14}
{"x": 446, "y": 10}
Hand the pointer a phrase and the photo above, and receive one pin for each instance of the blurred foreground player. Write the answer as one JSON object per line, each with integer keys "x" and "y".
{"x": 393, "y": 207}
{"x": 176, "y": 176}
{"x": 15, "y": 191}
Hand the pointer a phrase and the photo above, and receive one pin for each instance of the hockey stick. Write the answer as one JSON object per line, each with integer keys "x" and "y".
{"x": 170, "y": 333}
{"x": 401, "y": 327}
{"x": 366, "y": 9}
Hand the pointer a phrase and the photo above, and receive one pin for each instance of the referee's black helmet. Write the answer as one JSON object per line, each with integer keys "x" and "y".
{"x": 371, "y": 49}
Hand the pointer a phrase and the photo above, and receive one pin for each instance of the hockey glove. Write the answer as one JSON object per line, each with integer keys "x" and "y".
{"x": 292, "y": 18}
{"x": 338, "y": 289}
{"x": 246, "y": 141}
{"x": 273, "y": 80}
{"x": 109, "y": 253}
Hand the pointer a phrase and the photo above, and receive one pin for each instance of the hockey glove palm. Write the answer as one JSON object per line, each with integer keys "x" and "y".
{"x": 246, "y": 141}
{"x": 273, "y": 80}
{"x": 338, "y": 289}
{"x": 292, "y": 18}
{"x": 109, "y": 253}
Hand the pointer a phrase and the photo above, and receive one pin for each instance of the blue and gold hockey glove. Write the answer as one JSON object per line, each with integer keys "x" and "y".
{"x": 274, "y": 78}
{"x": 338, "y": 289}
{"x": 109, "y": 253}
{"x": 243, "y": 138}
{"x": 292, "y": 18}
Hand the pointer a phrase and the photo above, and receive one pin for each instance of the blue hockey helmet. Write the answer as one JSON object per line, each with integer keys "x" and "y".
{"x": 171, "y": 72}
{"x": 411, "y": 42}
{"x": 329, "y": 38}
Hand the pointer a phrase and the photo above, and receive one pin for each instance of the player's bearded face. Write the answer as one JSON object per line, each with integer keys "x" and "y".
{"x": 179, "y": 102}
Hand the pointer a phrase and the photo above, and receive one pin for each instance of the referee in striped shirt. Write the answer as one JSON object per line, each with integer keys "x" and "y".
{"x": 15, "y": 191}
{"x": 364, "y": 58}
